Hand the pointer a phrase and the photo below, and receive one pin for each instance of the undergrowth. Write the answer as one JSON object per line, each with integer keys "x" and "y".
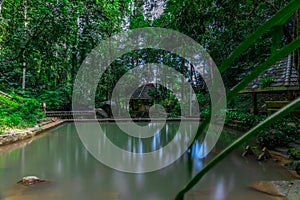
{"x": 19, "y": 112}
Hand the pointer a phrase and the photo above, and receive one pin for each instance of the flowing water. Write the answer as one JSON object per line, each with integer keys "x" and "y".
{"x": 59, "y": 157}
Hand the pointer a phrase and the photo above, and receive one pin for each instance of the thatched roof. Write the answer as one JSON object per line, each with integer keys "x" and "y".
{"x": 143, "y": 92}
{"x": 283, "y": 74}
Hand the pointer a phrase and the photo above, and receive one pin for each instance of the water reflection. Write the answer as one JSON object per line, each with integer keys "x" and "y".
{"x": 161, "y": 137}
{"x": 220, "y": 193}
{"x": 60, "y": 157}
{"x": 195, "y": 154}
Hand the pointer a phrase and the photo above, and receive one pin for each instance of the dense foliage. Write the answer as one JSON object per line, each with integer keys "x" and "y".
{"x": 281, "y": 134}
{"x": 43, "y": 43}
{"x": 19, "y": 112}
{"x": 47, "y": 40}
{"x": 246, "y": 120}
{"x": 50, "y": 39}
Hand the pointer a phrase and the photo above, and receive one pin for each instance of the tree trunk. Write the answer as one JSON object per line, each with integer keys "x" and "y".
{"x": 24, "y": 61}
{"x": 24, "y": 75}
{"x": 1, "y": 6}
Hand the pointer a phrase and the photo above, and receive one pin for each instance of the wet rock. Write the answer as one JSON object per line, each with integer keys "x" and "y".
{"x": 30, "y": 180}
{"x": 289, "y": 190}
{"x": 265, "y": 187}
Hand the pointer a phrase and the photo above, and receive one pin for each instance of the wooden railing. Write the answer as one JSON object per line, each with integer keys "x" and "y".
{"x": 274, "y": 106}
{"x": 89, "y": 114}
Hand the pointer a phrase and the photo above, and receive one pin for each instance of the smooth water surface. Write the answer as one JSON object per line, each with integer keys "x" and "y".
{"x": 59, "y": 157}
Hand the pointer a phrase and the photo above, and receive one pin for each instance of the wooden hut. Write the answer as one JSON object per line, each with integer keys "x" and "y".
{"x": 280, "y": 79}
{"x": 142, "y": 99}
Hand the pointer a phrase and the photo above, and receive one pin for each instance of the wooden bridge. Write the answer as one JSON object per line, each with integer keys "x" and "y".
{"x": 81, "y": 114}
{"x": 70, "y": 114}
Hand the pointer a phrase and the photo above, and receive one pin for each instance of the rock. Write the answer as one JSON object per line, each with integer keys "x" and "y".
{"x": 266, "y": 187}
{"x": 288, "y": 190}
{"x": 30, "y": 180}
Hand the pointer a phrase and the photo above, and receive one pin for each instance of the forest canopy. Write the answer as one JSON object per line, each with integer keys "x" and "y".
{"x": 43, "y": 43}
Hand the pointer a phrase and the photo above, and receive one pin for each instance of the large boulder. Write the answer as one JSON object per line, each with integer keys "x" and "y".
{"x": 285, "y": 190}
{"x": 30, "y": 180}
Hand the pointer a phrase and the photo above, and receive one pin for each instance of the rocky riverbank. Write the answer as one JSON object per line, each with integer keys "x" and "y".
{"x": 15, "y": 135}
{"x": 280, "y": 190}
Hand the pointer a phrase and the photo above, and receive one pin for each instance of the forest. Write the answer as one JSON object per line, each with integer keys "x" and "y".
{"x": 43, "y": 44}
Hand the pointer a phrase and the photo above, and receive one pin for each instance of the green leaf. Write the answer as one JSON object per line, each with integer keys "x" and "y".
{"x": 267, "y": 122}
{"x": 278, "y": 19}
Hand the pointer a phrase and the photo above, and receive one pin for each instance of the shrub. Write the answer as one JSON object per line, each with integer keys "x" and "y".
{"x": 59, "y": 99}
{"x": 31, "y": 111}
{"x": 13, "y": 120}
{"x": 266, "y": 81}
{"x": 19, "y": 112}
{"x": 245, "y": 119}
{"x": 280, "y": 134}
{"x": 273, "y": 138}
{"x": 294, "y": 153}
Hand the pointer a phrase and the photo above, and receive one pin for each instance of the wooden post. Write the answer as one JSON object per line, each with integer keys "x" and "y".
{"x": 254, "y": 98}
{"x": 191, "y": 75}
{"x": 290, "y": 95}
